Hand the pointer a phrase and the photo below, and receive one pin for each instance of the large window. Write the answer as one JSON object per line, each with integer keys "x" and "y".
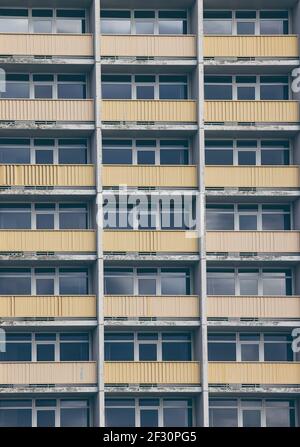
{"x": 46, "y": 347}
{"x": 248, "y": 217}
{"x": 148, "y": 346}
{"x": 147, "y": 281}
{"x": 44, "y": 216}
{"x": 247, "y": 152}
{"x": 42, "y": 151}
{"x": 149, "y": 412}
{"x": 146, "y": 152}
{"x": 246, "y": 88}
{"x": 249, "y": 281}
{"x": 145, "y": 87}
{"x": 251, "y": 413}
{"x": 46, "y": 21}
{"x": 45, "y": 86}
{"x": 143, "y": 22}
{"x": 243, "y": 22}
{"x": 44, "y": 413}
{"x": 250, "y": 347}
{"x": 43, "y": 281}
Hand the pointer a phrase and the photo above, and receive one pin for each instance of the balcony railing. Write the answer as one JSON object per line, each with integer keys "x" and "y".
{"x": 251, "y": 46}
{"x": 47, "y": 175}
{"x": 48, "y": 373}
{"x": 150, "y": 241}
{"x": 265, "y": 373}
{"x": 253, "y": 241}
{"x": 151, "y": 306}
{"x": 49, "y": 306}
{"x": 252, "y": 176}
{"x": 184, "y": 111}
{"x": 173, "y": 373}
{"x": 278, "y": 307}
{"x": 25, "y": 44}
{"x": 150, "y": 176}
{"x": 148, "y": 46}
{"x": 252, "y": 111}
{"x": 47, "y": 110}
{"x": 47, "y": 241}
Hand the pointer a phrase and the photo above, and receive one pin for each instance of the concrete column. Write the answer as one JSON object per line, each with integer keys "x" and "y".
{"x": 203, "y": 413}
{"x": 97, "y": 147}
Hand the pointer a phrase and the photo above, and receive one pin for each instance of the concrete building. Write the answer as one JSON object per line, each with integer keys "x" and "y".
{"x": 179, "y": 313}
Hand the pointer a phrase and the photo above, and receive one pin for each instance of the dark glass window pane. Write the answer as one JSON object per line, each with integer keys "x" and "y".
{"x": 15, "y": 285}
{"x": 45, "y": 353}
{"x": 71, "y": 91}
{"x": 274, "y": 92}
{"x": 176, "y": 417}
{"x": 116, "y": 91}
{"x": 118, "y": 285}
{"x": 117, "y": 156}
{"x": 176, "y": 351}
{"x": 44, "y": 157}
{"x": 74, "y": 417}
{"x": 45, "y": 418}
{"x": 221, "y": 352}
{"x": 149, "y": 418}
{"x": 218, "y": 92}
{"x": 168, "y": 91}
{"x": 120, "y": 417}
{"x": 224, "y": 417}
{"x": 122, "y": 351}
{"x": 147, "y": 352}
{"x": 15, "y": 417}
{"x": 74, "y": 352}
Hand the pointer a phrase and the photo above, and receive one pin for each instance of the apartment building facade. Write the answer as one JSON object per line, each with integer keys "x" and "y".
{"x": 149, "y": 213}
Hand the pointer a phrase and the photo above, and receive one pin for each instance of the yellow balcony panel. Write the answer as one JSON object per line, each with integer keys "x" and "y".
{"x": 27, "y": 306}
{"x": 43, "y": 373}
{"x": 277, "y": 307}
{"x": 151, "y": 306}
{"x": 150, "y": 241}
{"x": 47, "y": 110}
{"x": 252, "y": 111}
{"x": 47, "y": 175}
{"x": 24, "y": 44}
{"x": 252, "y": 176}
{"x": 175, "y": 373}
{"x": 147, "y": 176}
{"x": 269, "y": 373}
{"x": 48, "y": 240}
{"x": 253, "y": 241}
{"x": 149, "y": 46}
{"x": 150, "y": 110}
{"x": 251, "y": 46}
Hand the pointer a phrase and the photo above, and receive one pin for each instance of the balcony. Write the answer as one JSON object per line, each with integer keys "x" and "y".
{"x": 252, "y": 111}
{"x": 253, "y": 241}
{"x": 162, "y": 373}
{"x": 184, "y": 111}
{"x": 48, "y": 373}
{"x": 70, "y": 45}
{"x": 149, "y": 46}
{"x": 251, "y": 46}
{"x": 150, "y": 176}
{"x": 47, "y": 110}
{"x": 150, "y": 241}
{"x": 47, "y": 175}
{"x": 151, "y": 306}
{"x": 277, "y": 307}
{"x": 287, "y": 373}
{"x": 252, "y": 176}
{"x": 50, "y": 306}
{"x": 47, "y": 241}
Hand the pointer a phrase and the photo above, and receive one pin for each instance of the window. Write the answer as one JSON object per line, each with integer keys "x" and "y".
{"x": 148, "y": 346}
{"x": 74, "y": 347}
{"x": 217, "y": 22}
{"x": 147, "y": 152}
{"x": 250, "y": 347}
{"x": 149, "y": 412}
{"x": 72, "y": 151}
{"x": 15, "y": 216}
{"x": 145, "y": 87}
{"x": 71, "y": 86}
{"x": 74, "y": 413}
{"x": 221, "y": 347}
{"x": 73, "y": 282}
{"x": 16, "y": 86}
{"x": 218, "y": 87}
{"x": 247, "y": 152}
{"x": 249, "y": 281}
{"x": 274, "y": 22}
{"x": 146, "y": 281}
{"x": 246, "y": 22}
{"x": 15, "y": 282}
{"x": 143, "y": 22}
{"x": 248, "y": 217}
{"x": 246, "y": 88}
{"x": 15, "y": 413}
{"x": 72, "y": 216}
{"x": 18, "y": 348}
